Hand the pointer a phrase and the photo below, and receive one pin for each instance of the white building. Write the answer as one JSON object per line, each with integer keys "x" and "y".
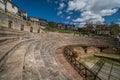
{"x": 9, "y": 6}
{"x": 2, "y": 4}
{"x": 22, "y": 13}
{"x": 34, "y": 19}
{"x": 39, "y": 21}
{"x": 103, "y": 32}
{"x": 43, "y": 22}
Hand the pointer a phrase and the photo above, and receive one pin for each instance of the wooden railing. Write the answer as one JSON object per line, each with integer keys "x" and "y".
{"x": 86, "y": 73}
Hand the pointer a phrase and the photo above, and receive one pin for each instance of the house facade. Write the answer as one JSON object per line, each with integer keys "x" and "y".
{"x": 34, "y": 19}
{"x": 22, "y": 13}
{"x": 61, "y": 25}
{"x": 103, "y": 32}
{"x": 39, "y": 21}
{"x": 70, "y": 26}
{"x": 2, "y": 4}
{"x": 43, "y": 22}
{"x": 66, "y": 26}
{"x": 9, "y": 6}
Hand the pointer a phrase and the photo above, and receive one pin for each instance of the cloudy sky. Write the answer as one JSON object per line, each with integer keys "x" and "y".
{"x": 73, "y": 11}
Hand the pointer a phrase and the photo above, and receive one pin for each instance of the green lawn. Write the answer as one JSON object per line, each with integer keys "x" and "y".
{"x": 49, "y": 29}
{"x": 93, "y": 59}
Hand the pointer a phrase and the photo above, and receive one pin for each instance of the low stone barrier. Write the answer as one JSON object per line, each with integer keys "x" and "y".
{"x": 85, "y": 72}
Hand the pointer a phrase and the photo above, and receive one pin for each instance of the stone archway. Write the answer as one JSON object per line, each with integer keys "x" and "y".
{"x": 31, "y": 29}
{"x": 10, "y": 24}
{"x": 38, "y": 30}
{"x": 22, "y": 27}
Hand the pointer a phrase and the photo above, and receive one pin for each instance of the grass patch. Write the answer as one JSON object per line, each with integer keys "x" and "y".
{"x": 109, "y": 54}
{"x": 111, "y": 62}
{"x": 55, "y": 29}
{"x": 93, "y": 59}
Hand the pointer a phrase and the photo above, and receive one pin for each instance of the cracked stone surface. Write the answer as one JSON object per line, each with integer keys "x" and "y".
{"x": 34, "y": 59}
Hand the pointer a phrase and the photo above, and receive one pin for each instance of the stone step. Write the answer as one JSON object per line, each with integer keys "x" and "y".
{"x": 51, "y": 68}
{"x": 7, "y": 39}
{"x": 10, "y": 32}
{"x": 13, "y": 67}
{"x": 4, "y": 51}
{"x": 30, "y": 71}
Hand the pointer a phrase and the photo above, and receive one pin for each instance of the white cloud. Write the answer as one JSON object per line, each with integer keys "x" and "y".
{"x": 108, "y": 12}
{"x": 76, "y": 5}
{"x": 79, "y": 24}
{"x": 82, "y": 24}
{"x": 93, "y": 10}
{"x": 79, "y": 20}
{"x": 59, "y": 13}
{"x": 89, "y": 16}
{"x": 68, "y": 17}
{"x": 61, "y": 6}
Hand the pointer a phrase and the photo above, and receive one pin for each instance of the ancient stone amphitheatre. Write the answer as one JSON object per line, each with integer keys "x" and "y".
{"x": 32, "y": 56}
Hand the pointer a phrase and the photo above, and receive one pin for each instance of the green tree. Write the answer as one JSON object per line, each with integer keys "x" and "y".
{"x": 89, "y": 26}
{"x": 52, "y": 24}
{"x": 115, "y": 28}
{"x": 81, "y": 30}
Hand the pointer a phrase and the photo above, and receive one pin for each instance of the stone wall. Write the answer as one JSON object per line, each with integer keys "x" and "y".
{"x": 102, "y": 41}
{"x": 81, "y": 52}
{"x": 15, "y": 22}
{"x": 11, "y": 7}
{"x": 2, "y": 5}
{"x": 111, "y": 50}
{"x": 92, "y": 50}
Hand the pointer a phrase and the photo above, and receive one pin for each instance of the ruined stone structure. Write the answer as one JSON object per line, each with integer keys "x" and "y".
{"x": 25, "y": 55}
{"x": 12, "y": 21}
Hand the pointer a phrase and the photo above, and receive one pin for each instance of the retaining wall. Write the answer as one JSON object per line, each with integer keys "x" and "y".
{"x": 8, "y": 19}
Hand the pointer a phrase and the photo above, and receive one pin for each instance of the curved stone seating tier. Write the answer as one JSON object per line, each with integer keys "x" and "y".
{"x": 34, "y": 58}
{"x": 10, "y": 32}
{"x": 5, "y": 40}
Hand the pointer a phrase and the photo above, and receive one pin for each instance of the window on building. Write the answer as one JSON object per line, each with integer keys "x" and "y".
{"x": 13, "y": 6}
